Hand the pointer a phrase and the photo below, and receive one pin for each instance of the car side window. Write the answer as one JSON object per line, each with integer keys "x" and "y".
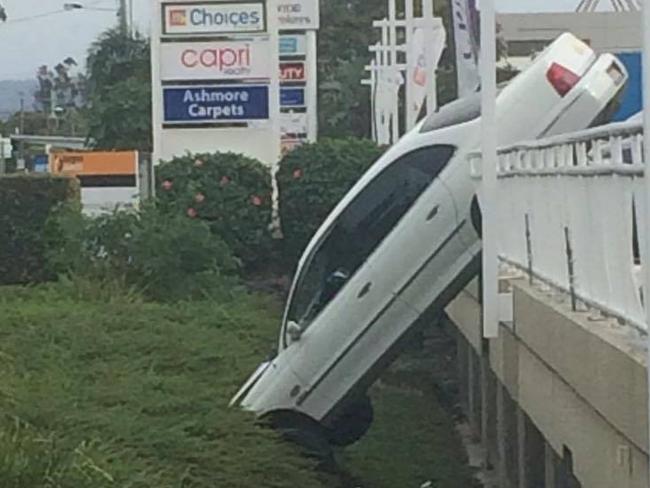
{"x": 361, "y": 228}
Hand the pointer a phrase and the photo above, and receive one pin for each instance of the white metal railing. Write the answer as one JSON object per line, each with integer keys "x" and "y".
{"x": 572, "y": 213}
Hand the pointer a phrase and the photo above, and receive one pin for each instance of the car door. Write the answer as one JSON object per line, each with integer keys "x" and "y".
{"x": 366, "y": 317}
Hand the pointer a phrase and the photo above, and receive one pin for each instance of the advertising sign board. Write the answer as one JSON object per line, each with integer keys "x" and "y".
{"x": 289, "y": 144}
{"x": 294, "y": 123}
{"x": 293, "y": 71}
{"x": 223, "y": 60}
{"x": 293, "y": 45}
{"x": 292, "y": 97}
{"x": 213, "y": 18}
{"x": 298, "y": 14}
{"x": 214, "y": 104}
{"x": 95, "y": 163}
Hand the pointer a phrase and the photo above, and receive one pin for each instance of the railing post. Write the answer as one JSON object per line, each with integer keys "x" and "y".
{"x": 570, "y": 269}
{"x": 529, "y": 250}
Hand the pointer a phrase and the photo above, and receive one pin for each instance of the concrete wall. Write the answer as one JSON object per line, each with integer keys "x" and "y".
{"x": 563, "y": 398}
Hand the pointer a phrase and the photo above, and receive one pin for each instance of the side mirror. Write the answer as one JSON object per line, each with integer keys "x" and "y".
{"x": 294, "y": 331}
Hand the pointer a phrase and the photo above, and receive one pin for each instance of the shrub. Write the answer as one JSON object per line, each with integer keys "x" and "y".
{"x": 26, "y": 203}
{"x": 312, "y": 180}
{"x": 230, "y": 192}
{"x": 166, "y": 257}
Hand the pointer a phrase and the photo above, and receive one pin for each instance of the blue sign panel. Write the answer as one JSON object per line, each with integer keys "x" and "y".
{"x": 288, "y": 45}
{"x": 41, "y": 163}
{"x": 292, "y": 97}
{"x": 205, "y": 104}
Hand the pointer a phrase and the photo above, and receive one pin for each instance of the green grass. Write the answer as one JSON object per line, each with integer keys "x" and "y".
{"x": 100, "y": 390}
{"x": 135, "y": 395}
{"x": 411, "y": 442}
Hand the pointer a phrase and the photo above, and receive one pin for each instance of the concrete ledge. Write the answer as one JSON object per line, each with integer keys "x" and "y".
{"x": 603, "y": 361}
{"x": 465, "y": 312}
{"x": 578, "y": 385}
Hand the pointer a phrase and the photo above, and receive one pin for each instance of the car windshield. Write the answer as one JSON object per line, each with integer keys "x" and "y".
{"x": 361, "y": 227}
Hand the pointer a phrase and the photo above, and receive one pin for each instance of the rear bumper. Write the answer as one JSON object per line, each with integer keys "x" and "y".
{"x": 591, "y": 96}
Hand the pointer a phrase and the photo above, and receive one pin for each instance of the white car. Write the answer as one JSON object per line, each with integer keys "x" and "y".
{"x": 405, "y": 240}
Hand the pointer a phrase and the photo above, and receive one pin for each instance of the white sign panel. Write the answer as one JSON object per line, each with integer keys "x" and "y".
{"x": 298, "y": 14}
{"x": 213, "y": 18}
{"x": 5, "y": 148}
{"x": 216, "y": 60}
{"x": 294, "y": 123}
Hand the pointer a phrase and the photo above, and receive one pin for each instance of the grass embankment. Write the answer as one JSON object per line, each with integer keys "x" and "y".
{"x": 135, "y": 395}
{"x": 120, "y": 393}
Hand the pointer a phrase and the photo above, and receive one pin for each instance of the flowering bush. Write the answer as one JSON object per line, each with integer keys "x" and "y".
{"x": 312, "y": 180}
{"x": 229, "y": 192}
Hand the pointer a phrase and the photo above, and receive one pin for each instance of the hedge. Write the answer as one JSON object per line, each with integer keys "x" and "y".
{"x": 230, "y": 192}
{"x": 312, "y": 179}
{"x": 26, "y": 203}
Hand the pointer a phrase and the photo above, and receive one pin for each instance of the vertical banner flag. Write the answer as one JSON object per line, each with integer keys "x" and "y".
{"x": 466, "y": 64}
{"x": 426, "y": 49}
{"x": 389, "y": 82}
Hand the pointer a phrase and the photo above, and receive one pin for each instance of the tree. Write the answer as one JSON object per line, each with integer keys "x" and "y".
{"x": 119, "y": 92}
{"x": 61, "y": 98}
{"x": 346, "y": 32}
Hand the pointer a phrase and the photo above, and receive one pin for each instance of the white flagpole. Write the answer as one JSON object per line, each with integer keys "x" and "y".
{"x": 489, "y": 180}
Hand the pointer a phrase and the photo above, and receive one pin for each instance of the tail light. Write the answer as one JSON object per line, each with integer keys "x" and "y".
{"x": 562, "y": 79}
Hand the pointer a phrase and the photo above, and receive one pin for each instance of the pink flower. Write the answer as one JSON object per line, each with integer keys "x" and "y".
{"x": 224, "y": 181}
{"x": 192, "y": 213}
{"x": 199, "y": 198}
{"x": 167, "y": 185}
{"x": 198, "y": 163}
{"x": 297, "y": 174}
{"x": 257, "y": 201}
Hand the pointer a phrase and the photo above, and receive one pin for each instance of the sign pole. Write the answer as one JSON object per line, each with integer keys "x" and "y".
{"x": 312, "y": 85}
{"x": 489, "y": 180}
{"x": 156, "y": 93}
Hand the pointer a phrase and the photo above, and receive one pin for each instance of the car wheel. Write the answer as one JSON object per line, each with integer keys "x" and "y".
{"x": 352, "y": 424}
{"x": 307, "y": 434}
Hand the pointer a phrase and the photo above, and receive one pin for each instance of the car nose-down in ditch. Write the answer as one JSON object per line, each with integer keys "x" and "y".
{"x": 405, "y": 240}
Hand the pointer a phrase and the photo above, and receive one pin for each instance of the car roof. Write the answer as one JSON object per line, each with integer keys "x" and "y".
{"x": 456, "y": 112}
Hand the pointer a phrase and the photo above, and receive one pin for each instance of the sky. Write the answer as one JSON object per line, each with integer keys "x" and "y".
{"x": 39, "y": 32}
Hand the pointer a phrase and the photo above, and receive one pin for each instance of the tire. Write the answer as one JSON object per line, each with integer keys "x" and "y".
{"x": 352, "y": 424}
{"x": 307, "y": 434}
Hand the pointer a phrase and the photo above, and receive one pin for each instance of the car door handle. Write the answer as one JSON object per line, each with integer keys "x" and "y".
{"x": 364, "y": 291}
{"x": 433, "y": 213}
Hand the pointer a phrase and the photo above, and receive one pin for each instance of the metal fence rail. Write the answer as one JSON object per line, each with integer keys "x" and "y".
{"x": 572, "y": 213}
